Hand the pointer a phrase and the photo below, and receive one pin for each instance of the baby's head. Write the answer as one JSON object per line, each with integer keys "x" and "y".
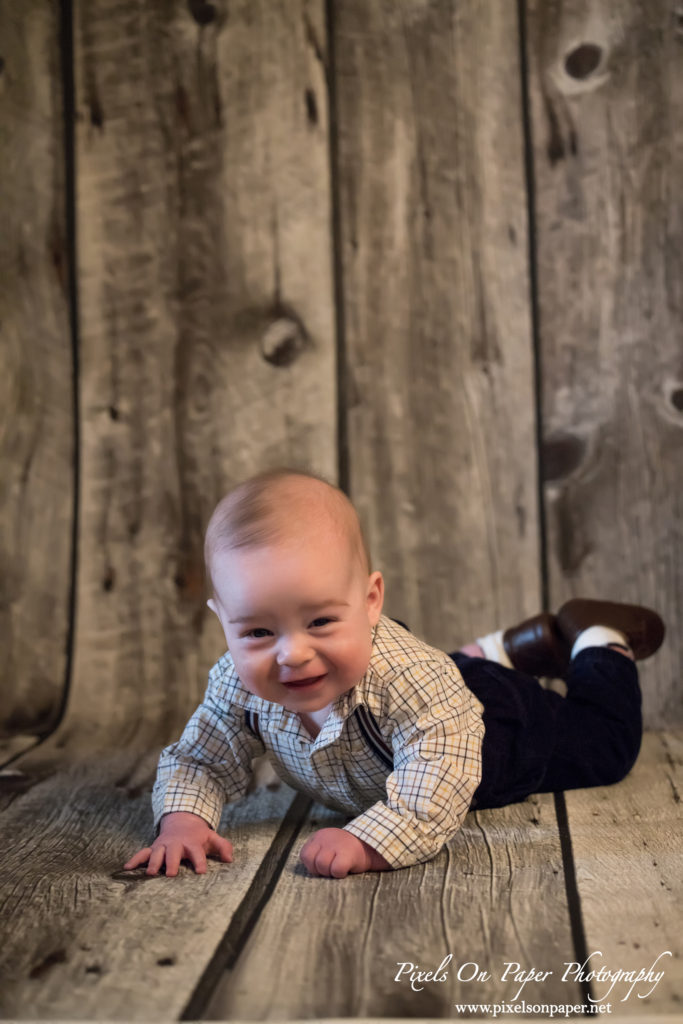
{"x": 292, "y": 586}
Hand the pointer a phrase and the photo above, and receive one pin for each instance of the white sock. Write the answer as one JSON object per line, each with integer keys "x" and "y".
{"x": 598, "y": 636}
{"x": 492, "y": 646}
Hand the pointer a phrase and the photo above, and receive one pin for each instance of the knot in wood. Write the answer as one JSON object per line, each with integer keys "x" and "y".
{"x": 202, "y": 12}
{"x": 561, "y": 455}
{"x": 283, "y": 341}
{"x": 583, "y": 60}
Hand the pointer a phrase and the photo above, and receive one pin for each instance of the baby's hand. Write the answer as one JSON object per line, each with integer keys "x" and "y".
{"x": 182, "y": 835}
{"x": 336, "y": 853}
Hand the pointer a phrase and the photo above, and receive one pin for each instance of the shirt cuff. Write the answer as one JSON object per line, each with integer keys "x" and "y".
{"x": 396, "y": 837}
{"x": 206, "y": 805}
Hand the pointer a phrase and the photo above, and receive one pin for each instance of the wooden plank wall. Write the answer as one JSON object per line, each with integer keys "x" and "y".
{"x": 606, "y": 92}
{"x": 303, "y": 236}
{"x": 206, "y": 316}
{"x": 214, "y": 195}
{"x": 434, "y": 263}
{"x": 37, "y": 450}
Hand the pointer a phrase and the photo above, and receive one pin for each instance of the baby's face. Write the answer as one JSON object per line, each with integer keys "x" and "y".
{"x": 297, "y": 617}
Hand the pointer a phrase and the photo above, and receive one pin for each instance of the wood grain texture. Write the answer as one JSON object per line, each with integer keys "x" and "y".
{"x": 84, "y": 939}
{"x": 12, "y": 746}
{"x": 439, "y": 386}
{"x": 607, "y": 111}
{"x": 208, "y": 347}
{"x": 628, "y": 848}
{"x": 36, "y": 389}
{"x": 495, "y": 894}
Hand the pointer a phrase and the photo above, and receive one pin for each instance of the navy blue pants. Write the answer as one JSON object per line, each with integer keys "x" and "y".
{"x": 539, "y": 742}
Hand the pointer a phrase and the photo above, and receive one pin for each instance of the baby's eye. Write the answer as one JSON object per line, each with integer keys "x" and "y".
{"x": 322, "y": 621}
{"x": 258, "y": 633}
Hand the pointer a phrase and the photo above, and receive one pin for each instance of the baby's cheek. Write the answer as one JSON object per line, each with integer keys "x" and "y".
{"x": 358, "y": 665}
{"x": 251, "y": 673}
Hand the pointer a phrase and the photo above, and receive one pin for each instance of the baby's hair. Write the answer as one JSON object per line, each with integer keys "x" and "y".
{"x": 250, "y": 515}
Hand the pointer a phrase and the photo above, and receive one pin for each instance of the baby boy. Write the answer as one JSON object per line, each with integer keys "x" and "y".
{"x": 356, "y": 712}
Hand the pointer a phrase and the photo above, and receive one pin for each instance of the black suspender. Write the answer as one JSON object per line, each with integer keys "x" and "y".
{"x": 373, "y": 737}
{"x": 366, "y": 722}
{"x": 251, "y": 722}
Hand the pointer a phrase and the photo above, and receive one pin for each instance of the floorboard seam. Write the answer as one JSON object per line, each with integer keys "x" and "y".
{"x": 343, "y": 467}
{"x": 534, "y": 301}
{"x": 573, "y": 896}
{"x": 249, "y": 910}
{"x": 70, "y": 222}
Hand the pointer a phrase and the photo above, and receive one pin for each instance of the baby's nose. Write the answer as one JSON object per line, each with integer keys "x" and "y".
{"x": 294, "y": 649}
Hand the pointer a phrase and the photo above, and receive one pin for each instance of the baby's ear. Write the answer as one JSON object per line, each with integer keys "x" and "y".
{"x": 375, "y": 597}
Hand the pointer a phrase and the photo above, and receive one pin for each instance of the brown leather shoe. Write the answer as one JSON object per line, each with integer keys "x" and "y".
{"x": 642, "y": 627}
{"x": 537, "y": 647}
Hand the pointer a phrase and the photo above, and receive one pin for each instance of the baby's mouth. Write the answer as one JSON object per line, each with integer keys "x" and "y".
{"x": 302, "y": 684}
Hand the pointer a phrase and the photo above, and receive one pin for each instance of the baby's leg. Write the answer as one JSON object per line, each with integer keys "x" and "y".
{"x": 598, "y": 725}
{"x": 519, "y": 734}
{"x": 537, "y": 741}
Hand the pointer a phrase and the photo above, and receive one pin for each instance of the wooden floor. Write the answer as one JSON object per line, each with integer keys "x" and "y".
{"x": 540, "y": 884}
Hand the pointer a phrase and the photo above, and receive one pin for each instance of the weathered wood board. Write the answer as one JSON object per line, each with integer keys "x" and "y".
{"x": 628, "y": 848}
{"x": 37, "y": 470}
{"x": 607, "y": 123}
{"x": 12, "y": 746}
{"x": 206, "y": 319}
{"x": 495, "y": 895}
{"x": 85, "y": 940}
{"x": 438, "y": 384}
{"x": 207, "y": 351}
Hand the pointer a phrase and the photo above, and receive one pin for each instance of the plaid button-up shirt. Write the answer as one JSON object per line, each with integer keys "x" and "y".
{"x": 401, "y": 750}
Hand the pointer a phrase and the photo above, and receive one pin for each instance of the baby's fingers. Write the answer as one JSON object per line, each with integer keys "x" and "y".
{"x": 340, "y": 865}
{"x": 141, "y": 857}
{"x": 308, "y": 854}
{"x": 198, "y": 858}
{"x": 173, "y": 854}
{"x": 325, "y": 862}
{"x": 318, "y": 860}
{"x": 156, "y": 859}
{"x": 221, "y": 847}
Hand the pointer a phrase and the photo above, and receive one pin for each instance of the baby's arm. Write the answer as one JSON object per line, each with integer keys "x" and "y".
{"x": 182, "y": 836}
{"x": 208, "y": 765}
{"x": 436, "y": 739}
{"x": 336, "y": 853}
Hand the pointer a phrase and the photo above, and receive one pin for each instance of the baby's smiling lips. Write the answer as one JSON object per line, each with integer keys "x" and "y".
{"x": 299, "y": 684}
